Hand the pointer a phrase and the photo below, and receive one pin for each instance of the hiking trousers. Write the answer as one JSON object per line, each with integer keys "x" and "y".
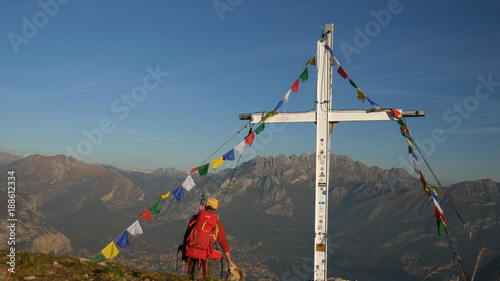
{"x": 195, "y": 266}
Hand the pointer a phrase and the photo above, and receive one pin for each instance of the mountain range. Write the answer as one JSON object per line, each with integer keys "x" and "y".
{"x": 381, "y": 225}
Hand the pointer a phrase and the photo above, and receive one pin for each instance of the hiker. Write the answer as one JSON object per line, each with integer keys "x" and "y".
{"x": 199, "y": 241}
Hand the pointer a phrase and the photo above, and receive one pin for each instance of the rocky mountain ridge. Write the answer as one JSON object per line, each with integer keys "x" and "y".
{"x": 381, "y": 223}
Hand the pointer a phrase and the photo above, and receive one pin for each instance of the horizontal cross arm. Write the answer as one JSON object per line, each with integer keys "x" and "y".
{"x": 333, "y": 116}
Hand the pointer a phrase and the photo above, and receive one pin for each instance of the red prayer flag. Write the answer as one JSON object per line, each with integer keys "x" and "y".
{"x": 249, "y": 138}
{"x": 342, "y": 72}
{"x": 193, "y": 170}
{"x": 295, "y": 86}
{"x": 422, "y": 180}
{"x": 396, "y": 113}
{"x": 438, "y": 215}
{"x": 146, "y": 215}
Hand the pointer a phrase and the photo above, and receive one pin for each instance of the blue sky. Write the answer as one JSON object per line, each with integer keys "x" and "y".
{"x": 66, "y": 67}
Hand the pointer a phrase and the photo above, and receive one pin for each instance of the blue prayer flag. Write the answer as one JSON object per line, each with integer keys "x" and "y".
{"x": 178, "y": 193}
{"x": 409, "y": 136}
{"x": 278, "y": 105}
{"x": 372, "y": 102}
{"x": 229, "y": 155}
{"x": 431, "y": 192}
{"x": 122, "y": 240}
{"x": 329, "y": 49}
{"x": 412, "y": 152}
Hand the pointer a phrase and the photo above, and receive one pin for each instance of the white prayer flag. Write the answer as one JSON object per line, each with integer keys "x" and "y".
{"x": 240, "y": 148}
{"x": 416, "y": 167}
{"x": 135, "y": 229}
{"x": 437, "y": 205}
{"x": 188, "y": 184}
{"x": 334, "y": 61}
{"x": 285, "y": 98}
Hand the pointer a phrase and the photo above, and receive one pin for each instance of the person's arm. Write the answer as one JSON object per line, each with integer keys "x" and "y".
{"x": 230, "y": 262}
{"x": 224, "y": 245}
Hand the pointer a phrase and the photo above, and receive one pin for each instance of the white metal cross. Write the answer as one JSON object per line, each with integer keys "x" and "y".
{"x": 326, "y": 119}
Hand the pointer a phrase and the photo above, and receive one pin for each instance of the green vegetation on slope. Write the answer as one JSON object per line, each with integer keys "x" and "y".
{"x": 31, "y": 266}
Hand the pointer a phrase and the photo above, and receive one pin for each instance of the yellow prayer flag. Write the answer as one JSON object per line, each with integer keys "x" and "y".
{"x": 270, "y": 115}
{"x": 166, "y": 195}
{"x": 361, "y": 96}
{"x": 217, "y": 162}
{"x": 111, "y": 251}
{"x": 312, "y": 61}
{"x": 409, "y": 143}
{"x": 427, "y": 193}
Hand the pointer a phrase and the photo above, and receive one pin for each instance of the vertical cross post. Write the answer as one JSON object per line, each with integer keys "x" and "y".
{"x": 326, "y": 119}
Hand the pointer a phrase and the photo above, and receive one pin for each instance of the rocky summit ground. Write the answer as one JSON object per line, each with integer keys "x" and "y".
{"x": 29, "y": 266}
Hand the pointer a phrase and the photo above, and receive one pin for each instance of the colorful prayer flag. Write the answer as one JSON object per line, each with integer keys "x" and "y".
{"x": 329, "y": 49}
{"x": 353, "y": 84}
{"x": 203, "y": 170}
{"x": 295, "y": 86}
{"x": 110, "y": 252}
{"x": 146, "y": 215}
{"x": 402, "y": 122}
{"x": 440, "y": 227}
{"x": 261, "y": 128}
{"x": 178, "y": 193}
{"x": 270, "y": 115}
{"x": 361, "y": 96}
{"x": 416, "y": 167}
{"x": 188, "y": 183}
{"x": 396, "y": 113}
{"x": 156, "y": 208}
{"x": 438, "y": 211}
{"x": 334, "y": 61}
{"x": 286, "y": 96}
{"x": 373, "y": 103}
{"x": 122, "y": 240}
{"x": 432, "y": 191}
{"x": 97, "y": 257}
{"x": 312, "y": 61}
{"x": 304, "y": 75}
{"x": 194, "y": 170}
{"x": 240, "y": 148}
{"x": 165, "y": 196}
{"x": 229, "y": 155}
{"x": 217, "y": 162}
{"x": 249, "y": 138}
{"x": 422, "y": 179}
{"x": 280, "y": 103}
{"x": 411, "y": 151}
{"x": 342, "y": 72}
{"x": 135, "y": 228}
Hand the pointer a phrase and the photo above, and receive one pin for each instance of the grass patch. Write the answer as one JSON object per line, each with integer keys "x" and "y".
{"x": 43, "y": 267}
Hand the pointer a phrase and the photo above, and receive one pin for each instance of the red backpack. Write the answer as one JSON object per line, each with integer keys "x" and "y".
{"x": 201, "y": 241}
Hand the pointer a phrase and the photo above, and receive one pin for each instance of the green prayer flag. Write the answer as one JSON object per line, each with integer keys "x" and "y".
{"x": 361, "y": 96}
{"x": 97, "y": 257}
{"x": 203, "y": 170}
{"x": 403, "y": 131}
{"x": 352, "y": 83}
{"x": 402, "y": 122}
{"x": 440, "y": 227}
{"x": 156, "y": 207}
{"x": 304, "y": 75}
{"x": 312, "y": 61}
{"x": 260, "y": 128}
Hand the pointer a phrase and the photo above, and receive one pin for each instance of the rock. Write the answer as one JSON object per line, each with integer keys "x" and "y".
{"x": 102, "y": 263}
{"x": 56, "y": 265}
{"x": 29, "y": 277}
